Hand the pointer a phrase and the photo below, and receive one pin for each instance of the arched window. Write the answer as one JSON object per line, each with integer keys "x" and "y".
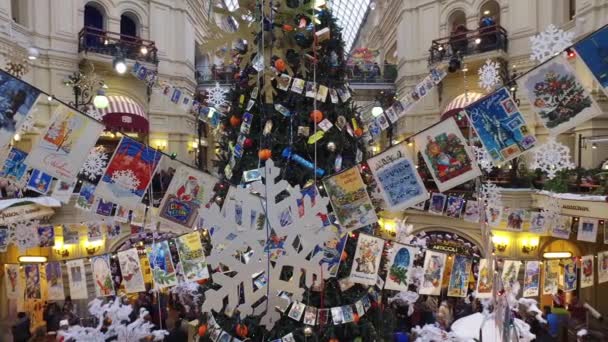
{"x": 128, "y": 25}
{"x": 19, "y": 12}
{"x": 457, "y": 21}
{"x": 93, "y": 16}
{"x": 490, "y": 9}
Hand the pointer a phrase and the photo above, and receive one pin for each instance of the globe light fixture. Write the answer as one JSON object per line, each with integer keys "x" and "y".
{"x": 32, "y": 53}
{"x": 120, "y": 65}
{"x": 377, "y": 111}
{"x": 101, "y": 100}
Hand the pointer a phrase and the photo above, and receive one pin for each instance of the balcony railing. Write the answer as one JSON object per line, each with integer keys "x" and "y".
{"x": 209, "y": 75}
{"x": 374, "y": 73}
{"x": 94, "y": 40}
{"x": 466, "y": 43}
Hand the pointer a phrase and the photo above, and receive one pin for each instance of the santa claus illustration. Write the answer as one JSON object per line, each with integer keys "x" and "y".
{"x": 189, "y": 190}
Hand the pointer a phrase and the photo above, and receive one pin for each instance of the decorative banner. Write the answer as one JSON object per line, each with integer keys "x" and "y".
{"x": 162, "y": 179}
{"x": 128, "y": 173}
{"x": 3, "y": 238}
{"x": 557, "y": 96}
{"x": 192, "y": 256}
{"x": 437, "y": 203}
{"x": 587, "y": 229}
{"x": 62, "y": 191}
{"x": 332, "y": 249}
{"x": 46, "y": 235}
{"x": 94, "y": 231}
{"x": 397, "y": 178}
{"x": 366, "y": 260}
{"x": 532, "y": 279}
{"x": 12, "y": 281}
{"x": 515, "y": 219}
{"x": 587, "y": 271}
{"x": 400, "y": 261}
{"x": 349, "y": 199}
{"x": 64, "y": 146}
{"x": 77, "y": 279}
{"x": 459, "y": 279}
{"x": 86, "y": 197}
{"x": 188, "y": 192}
{"x": 32, "y": 282}
{"x": 122, "y": 214}
{"x": 71, "y": 235}
{"x": 447, "y": 155}
{"x": 454, "y": 206}
{"x": 592, "y": 52}
{"x": 103, "y": 208}
{"x": 310, "y": 316}
{"x": 336, "y": 315}
{"x": 18, "y": 99}
{"x": 602, "y": 267}
{"x": 163, "y": 272}
{"x": 485, "y": 280}
{"x": 54, "y": 281}
{"x": 537, "y": 223}
{"x": 112, "y": 230}
{"x": 562, "y": 227}
{"x": 297, "y": 310}
{"x": 434, "y": 264}
{"x": 102, "y": 274}
{"x": 494, "y": 216}
{"x": 39, "y": 182}
{"x": 551, "y": 279}
{"x": 130, "y": 268}
{"x": 500, "y": 126}
{"x": 570, "y": 269}
{"x": 14, "y": 166}
{"x": 471, "y": 212}
{"x": 510, "y": 271}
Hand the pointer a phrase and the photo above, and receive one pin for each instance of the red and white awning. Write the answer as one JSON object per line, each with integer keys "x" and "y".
{"x": 125, "y": 114}
{"x": 459, "y": 102}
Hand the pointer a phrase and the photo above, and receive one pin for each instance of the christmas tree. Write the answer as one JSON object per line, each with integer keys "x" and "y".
{"x": 290, "y": 101}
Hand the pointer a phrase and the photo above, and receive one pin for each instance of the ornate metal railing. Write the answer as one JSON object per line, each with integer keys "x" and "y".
{"x": 91, "y": 39}
{"x": 466, "y": 43}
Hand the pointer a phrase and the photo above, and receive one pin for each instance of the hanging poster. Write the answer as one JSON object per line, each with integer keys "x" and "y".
{"x": 332, "y": 249}
{"x": 112, "y": 230}
{"x": 485, "y": 279}
{"x": 297, "y": 310}
{"x": 557, "y": 96}
{"x": 95, "y": 164}
{"x": 62, "y": 191}
{"x": 122, "y": 214}
{"x": 434, "y": 265}
{"x": 459, "y": 278}
{"x": 532, "y": 278}
{"x": 162, "y": 179}
{"x": 17, "y": 99}
{"x": 562, "y": 227}
{"x": 77, "y": 279}
{"x": 54, "y": 281}
{"x": 587, "y": 229}
{"x": 397, "y": 178}
{"x": 192, "y": 256}
{"x": 138, "y": 215}
{"x": 3, "y": 238}
{"x": 471, "y": 212}
{"x": 14, "y": 166}
{"x": 349, "y": 199}
{"x": 39, "y": 182}
{"x": 128, "y": 173}
{"x": 310, "y": 315}
{"x": 94, "y": 231}
{"x": 400, "y": 261}
{"x": 447, "y": 155}
{"x": 500, "y": 126}
{"x": 515, "y": 219}
{"x": 102, "y": 275}
{"x": 437, "y": 203}
{"x": 605, "y": 232}
{"x": 32, "y": 282}
{"x": 592, "y": 50}
{"x": 550, "y": 281}
{"x": 71, "y": 234}
{"x": 12, "y": 281}
{"x": 46, "y": 236}
{"x": 454, "y": 206}
{"x": 537, "y": 223}
{"x": 570, "y": 270}
{"x": 103, "y": 208}
{"x": 189, "y": 191}
{"x": 494, "y": 216}
{"x": 510, "y": 272}
{"x": 130, "y": 268}
{"x": 602, "y": 267}
{"x": 85, "y": 197}
{"x": 161, "y": 265}
{"x": 366, "y": 260}
{"x": 337, "y": 316}
{"x": 65, "y": 144}
{"x": 587, "y": 271}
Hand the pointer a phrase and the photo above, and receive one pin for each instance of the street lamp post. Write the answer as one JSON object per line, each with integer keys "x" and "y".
{"x": 87, "y": 88}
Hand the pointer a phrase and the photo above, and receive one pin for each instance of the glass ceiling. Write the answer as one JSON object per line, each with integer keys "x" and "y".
{"x": 350, "y": 14}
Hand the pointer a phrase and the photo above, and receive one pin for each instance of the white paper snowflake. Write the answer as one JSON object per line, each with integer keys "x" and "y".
{"x": 489, "y": 195}
{"x": 293, "y": 240}
{"x": 216, "y": 96}
{"x": 95, "y": 163}
{"x": 24, "y": 234}
{"x": 483, "y": 158}
{"x": 549, "y": 43}
{"x": 489, "y": 75}
{"x": 188, "y": 294}
{"x": 552, "y": 157}
{"x": 126, "y": 179}
{"x": 95, "y": 113}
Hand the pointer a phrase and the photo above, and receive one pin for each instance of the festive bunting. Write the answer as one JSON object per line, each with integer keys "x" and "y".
{"x": 459, "y": 278}
{"x": 4, "y": 238}
{"x": 551, "y": 279}
{"x": 54, "y": 281}
{"x": 130, "y": 268}
{"x": 62, "y": 191}
{"x": 437, "y": 203}
{"x": 570, "y": 274}
{"x": 485, "y": 279}
{"x": 454, "y": 206}
{"x": 510, "y": 270}
{"x": 32, "y": 282}
{"x": 86, "y": 197}
{"x": 102, "y": 275}
{"x": 434, "y": 265}
{"x": 471, "y": 212}
{"x": 366, "y": 259}
{"x": 401, "y": 260}
{"x": 17, "y": 100}
{"x": 192, "y": 257}
{"x": 77, "y": 279}
{"x": 46, "y": 236}
{"x": 587, "y": 229}
{"x": 537, "y": 223}
{"x": 333, "y": 248}
{"x": 39, "y": 182}
{"x": 587, "y": 270}
{"x": 591, "y": 51}
{"x": 163, "y": 272}
{"x": 562, "y": 227}
{"x": 602, "y": 267}
{"x": 12, "y": 282}
{"x": 531, "y": 278}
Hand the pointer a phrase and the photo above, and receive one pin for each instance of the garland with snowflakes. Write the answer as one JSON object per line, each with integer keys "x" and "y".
{"x": 549, "y": 43}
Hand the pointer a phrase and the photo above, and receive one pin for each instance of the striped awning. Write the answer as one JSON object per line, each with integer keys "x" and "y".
{"x": 459, "y": 102}
{"x": 125, "y": 114}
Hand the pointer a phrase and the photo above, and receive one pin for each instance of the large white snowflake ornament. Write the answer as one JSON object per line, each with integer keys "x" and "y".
{"x": 489, "y": 75}
{"x": 483, "y": 158}
{"x": 95, "y": 163}
{"x": 216, "y": 96}
{"x": 550, "y": 43}
{"x": 490, "y": 195}
{"x": 552, "y": 157}
{"x": 24, "y": 234}
{"x": 126, "y": 179}
{"x": 275, "y": 229}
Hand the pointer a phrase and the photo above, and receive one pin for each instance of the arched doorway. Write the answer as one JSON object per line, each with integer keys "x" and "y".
{"x": 490, "y": 9}
{"x": 94, "y": 23}
{"x": 128, "y": 25}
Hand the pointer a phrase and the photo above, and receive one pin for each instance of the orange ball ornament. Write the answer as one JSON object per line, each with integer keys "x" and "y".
{"x": 343, "y": 256}
{"x": 356, "y": 318}
{"x": 242, "y": 330}
{"x": 358, "y": 132}
{"x": 264, "y": 154}
{"x": 287, "y": 27}
{"x": 201, "y": 281}
{"x": 202, "y": 330}
{"x": 280, "y": 65}
{"x": 333, "y": 339}
{"x": 316, "y": 116}
{"x": 235, "y": 121}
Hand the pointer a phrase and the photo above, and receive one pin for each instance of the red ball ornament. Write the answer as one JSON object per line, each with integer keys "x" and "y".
{"x": 264, "y": 154}
{"x": 280, "y": 65}
{"x": 333, "y": 339}
{"x": 343, "y": 256}
{"x": 202, "y": 330}
{"x": 201, "y": 281}
{"x": 248, "y": 143}
{"x": 358, "y": 132}
{"x": 235, "y": 121}
{"x": 316, "y": 116}
{"x": 242, "y": 330}
{"x": 287, "y": 27}
{"x": 356, "y": 318}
